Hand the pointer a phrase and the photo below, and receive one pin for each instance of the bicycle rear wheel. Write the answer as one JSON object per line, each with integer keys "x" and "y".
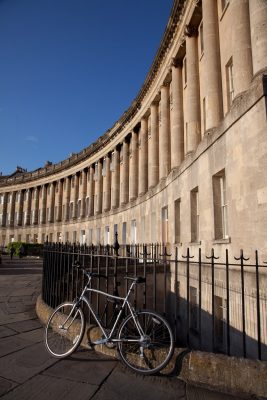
{"x": 64, "y": 330}
{"x": 151, "y": 352}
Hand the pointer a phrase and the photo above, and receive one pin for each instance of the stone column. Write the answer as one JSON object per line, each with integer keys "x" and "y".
{"x": 44, "y": 206}
{"x": 83, "y": 193}
{"x": 164, "y": 133}
{"x": 52, "y": 203}
{"x": 4, "y": 209}
{"x": 66, "y": 195}
{"x": 36, "y": 205}
{"x": 242, "y": 57}
{"x": 99, "y": 189}
{"x": 20, "y": 211}
{"x": 59, "y": 201}
{"x": 192, "y": 119}
{"x": 143, "y": 158}
{"x": 28, "y": 207}
{"x": 125, "y": 173}
{"x": 177, "y": 117}
{"x": 91, "y": 192}
{"x": 107, "y": 185}
{"x": 258, "y": 27}
{"x": 153, "y": 146}
{"x": 12, "y": 209}
{"x": 76, "y": 195}
{"x": 133, "y": 167}
{"x": 212, "y": 67}
{"x": 115, "y": 194}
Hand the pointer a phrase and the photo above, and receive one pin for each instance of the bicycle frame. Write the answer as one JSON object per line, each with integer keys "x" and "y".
{"x": 108, "y": 336}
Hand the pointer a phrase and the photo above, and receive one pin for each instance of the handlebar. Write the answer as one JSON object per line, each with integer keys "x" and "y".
{"x": 136, "y": 279}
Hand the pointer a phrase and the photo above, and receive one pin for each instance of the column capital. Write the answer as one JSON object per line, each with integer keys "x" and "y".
{"x": 176, "y": 63}
{"x": 190, "y": 30}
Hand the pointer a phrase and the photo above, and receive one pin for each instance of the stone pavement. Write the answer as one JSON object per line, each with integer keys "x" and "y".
{"x": 28, "y": 372}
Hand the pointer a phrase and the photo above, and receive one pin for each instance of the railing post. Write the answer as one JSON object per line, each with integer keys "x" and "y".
{"x": 258, "y": 305}
{"x": 242, "y": 259}
{"x": 212, "y": 257}
{"x": 188, "y": 257}
{"x": 200, "y": 297}
{"x": 227, "y": 303}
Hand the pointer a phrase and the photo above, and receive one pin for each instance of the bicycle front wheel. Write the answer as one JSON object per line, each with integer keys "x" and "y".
{"x": 64, "y": 330}
{"x": 151, "y": 351}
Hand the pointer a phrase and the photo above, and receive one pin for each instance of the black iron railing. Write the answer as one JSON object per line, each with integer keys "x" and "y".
{"x": 212, "y": 305}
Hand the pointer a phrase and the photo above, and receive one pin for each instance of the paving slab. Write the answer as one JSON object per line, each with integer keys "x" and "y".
{"x": 6, "y": 386}
{"x": 123, "y": 384}
{"x": 12, "y": 343}
{"x": 5, "y": 331}
{"x": 197, "y": 393}
{"x": 24, "y": 326}
{"x": 84, "y": 366}
{"x": 24, "y": 364}
{"x": 52, "y": 389}
{"x": 35, "y": 336}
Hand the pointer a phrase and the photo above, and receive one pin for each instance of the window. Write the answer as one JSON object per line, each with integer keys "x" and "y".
{"x": 177, "y": 220}
{"x": 165, "y": 227}
{"x": 133, "y": 231}
{"x": 72, "y": 181}
{"x": 82, "y": 237}
{"x": 220, "y": 206}
{"x": 230, "y": 83}
{"x": 107, "y": 236}
{"x": 35, "y": 238}
{"x": 194, "y": 216}
{"x": 71, "y": 210}
{"x": 28, "y": 238}
{"x": 124, "y": 232}
{"x": 201, "y": 40}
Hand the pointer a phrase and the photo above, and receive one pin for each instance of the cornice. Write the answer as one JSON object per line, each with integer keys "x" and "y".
{"x": 127, "y": 117}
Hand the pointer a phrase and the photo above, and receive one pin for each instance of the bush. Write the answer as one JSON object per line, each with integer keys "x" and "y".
{"x": 30, "y": 249}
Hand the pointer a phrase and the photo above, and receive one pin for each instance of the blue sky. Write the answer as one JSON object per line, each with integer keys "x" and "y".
{"x": 68, "y": 70}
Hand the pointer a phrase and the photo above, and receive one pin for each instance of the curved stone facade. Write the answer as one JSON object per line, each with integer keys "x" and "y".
{"x": 185, "y": 164}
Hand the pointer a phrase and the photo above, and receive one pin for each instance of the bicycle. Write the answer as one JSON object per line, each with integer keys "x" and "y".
{"x": 144, "y": 339}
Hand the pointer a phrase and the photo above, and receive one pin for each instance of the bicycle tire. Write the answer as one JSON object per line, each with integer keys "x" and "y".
{"x": 60, "y": 340}
{"x": 152, "y": 354}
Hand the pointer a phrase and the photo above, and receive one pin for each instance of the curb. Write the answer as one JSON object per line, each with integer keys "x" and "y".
{"x": 236, "y": 376}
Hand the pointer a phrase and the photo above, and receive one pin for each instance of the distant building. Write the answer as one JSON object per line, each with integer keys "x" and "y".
{"x": 184, "y": 165}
